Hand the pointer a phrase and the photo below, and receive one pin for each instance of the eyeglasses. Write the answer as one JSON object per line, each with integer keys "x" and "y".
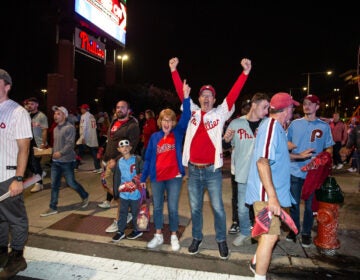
{"x": 123, "y": 143}
{"x": 166, "y": 121}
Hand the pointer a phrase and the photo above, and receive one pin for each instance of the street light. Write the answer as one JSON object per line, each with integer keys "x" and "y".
{"x": 314, "y": 73}
{"x": 122, "y": 58}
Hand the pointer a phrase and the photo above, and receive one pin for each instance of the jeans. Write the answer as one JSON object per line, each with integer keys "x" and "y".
{"x": 243, "y": 210}
{"x": 295, "y": 189}
{"x": 199, "y": 179}
{"x": 67, "y": 169}
{"x": 124, "y": 210}
{"x": 93, "y": 151}
{"x": 172, "y": 188}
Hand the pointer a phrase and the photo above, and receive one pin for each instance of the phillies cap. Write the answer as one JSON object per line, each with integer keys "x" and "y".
{"x": 62, "y": 109}
{"x": 282, "y": 100}
{"x": 207, "y": 87}
{"x": 85, "y": 106}
{"x": 5, "y": 76}
{"x": 313, "y": 98}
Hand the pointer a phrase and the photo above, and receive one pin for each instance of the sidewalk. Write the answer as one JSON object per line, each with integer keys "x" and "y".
{"x": 286, "y": 254}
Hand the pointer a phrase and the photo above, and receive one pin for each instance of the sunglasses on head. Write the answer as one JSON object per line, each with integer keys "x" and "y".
{"x": 124, "y": 143}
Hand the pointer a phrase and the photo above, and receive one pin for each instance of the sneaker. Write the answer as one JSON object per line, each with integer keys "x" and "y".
{"x": 49, "y": 212}
{"x": 113, "y": 227}
{"x": 97, "y": 171}
{"x": 306, "y": 241}
{"x": 339, "y": 166}
{"x": 118, "y": 236}
{"x": 291, "y": 237}
{"x": 15, "y": 264}
{"x": 175, "y": 245}
{"x": 334, "y": 166}
{"x": 105, "y": 204}
{"x": 156, "y": 241}
{"x": 241, "y": 240}
{"x": 37, "y": 187}
{"x": 252, "y": 266}
{"x": 234, "y": 228}
{"x": 3, "y": 259}
{"x": 352, "y": 169}
{"x": 134, "y": 234}
{"x": 85, "y": 202}
{"x": 194, "y": 247}
{"x": 129, "y": 218}
{"x": 223, "y": 250}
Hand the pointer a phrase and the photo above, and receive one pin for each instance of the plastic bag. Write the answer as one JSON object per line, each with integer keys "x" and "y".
{"x": 143, "y": 217}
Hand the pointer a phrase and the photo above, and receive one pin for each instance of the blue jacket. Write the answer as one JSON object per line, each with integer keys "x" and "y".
{"x": 179, "y": 132}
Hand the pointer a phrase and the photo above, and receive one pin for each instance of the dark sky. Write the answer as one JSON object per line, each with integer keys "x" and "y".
{"x": 209, "y": 38}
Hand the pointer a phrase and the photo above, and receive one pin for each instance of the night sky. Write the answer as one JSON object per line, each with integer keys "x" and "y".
{"x": 209, "y": 38}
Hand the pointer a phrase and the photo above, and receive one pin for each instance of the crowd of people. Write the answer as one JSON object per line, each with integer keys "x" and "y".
{"x": 269, "y": 149}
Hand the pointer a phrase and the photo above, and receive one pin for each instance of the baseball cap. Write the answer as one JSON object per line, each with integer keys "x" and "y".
{"x": 282, "y": 100}
{"x": 85, "y": 106}
{"x": 207, "y": 87}
{"x": 313, "y": 98}
{"x": 62, "y": 109}
{"x": 5, "y": 76}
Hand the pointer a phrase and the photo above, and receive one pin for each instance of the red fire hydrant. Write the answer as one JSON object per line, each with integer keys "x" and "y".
{"x": 329, "y": 197}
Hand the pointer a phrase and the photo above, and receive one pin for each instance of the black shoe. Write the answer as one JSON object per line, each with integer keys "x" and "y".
{"x": 15, "y": 264}
{"x": 234, "y": 228}
{"x": 223, "y": 250}
{"x": 252, "y": 266}
{"x": 3, "y": 258}
{"x": 118, "y": 236}
{"x": 306, "y": 241}
{"x": 134, "y": 234}
{"x": 194, "y": 247}
{"x": 291, "y": 237}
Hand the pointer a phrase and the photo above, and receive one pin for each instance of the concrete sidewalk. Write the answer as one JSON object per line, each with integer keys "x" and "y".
{"x": 286, "y": 254}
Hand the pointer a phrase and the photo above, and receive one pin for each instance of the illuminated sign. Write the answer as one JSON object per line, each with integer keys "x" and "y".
{"x": 89, "y": 44}
{"x": 108, "y": 15}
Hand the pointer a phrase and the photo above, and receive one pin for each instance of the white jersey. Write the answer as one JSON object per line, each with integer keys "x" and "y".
{"x": 88, "y": 130}
{"x": 15, "y": 123}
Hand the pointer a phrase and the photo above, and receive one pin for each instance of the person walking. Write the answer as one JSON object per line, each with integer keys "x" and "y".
{"x": 202, "y": 154}
{"x": 15, "y": 136}
{"x": 63, "y": 161}
{"x": 163, "y": 163}
{"x": 242, "y": 133}
{"x": 339, "y": 134}
{"x": 311, "y": 135}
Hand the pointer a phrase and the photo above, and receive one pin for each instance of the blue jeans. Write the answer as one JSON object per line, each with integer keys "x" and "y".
{"x": 124, "y": 210}
{"x": 243, "y": 210}
{"x": 199, "y": 179}
{"x": 172, "y": 188}
{"x": 65, "y": 169}
{"x": 295, "y": 189}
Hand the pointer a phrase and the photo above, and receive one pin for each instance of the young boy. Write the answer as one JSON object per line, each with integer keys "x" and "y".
{"x": 127, "y": 172}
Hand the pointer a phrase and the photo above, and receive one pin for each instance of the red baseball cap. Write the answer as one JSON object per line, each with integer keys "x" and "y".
{"x": 313, "y": 98}
{"x": 207, "y": 87}
{"x": 85, "y": 106}
{"x": 282, "y": 100}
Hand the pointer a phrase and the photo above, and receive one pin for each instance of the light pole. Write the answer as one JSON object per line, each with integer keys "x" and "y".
{"x": 314, "y": 73}
{"x": 122, "y": 58}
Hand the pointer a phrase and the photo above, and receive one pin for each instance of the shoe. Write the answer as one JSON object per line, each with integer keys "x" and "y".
{"x": 234, "y": 228}
{"x": 3, "y": 259}
{"x": 134, "y": 234}
{"x": 113, "y": 227}
{"x": 15, "y": 264}
{"x": 43, "y": 175}
{"x": 175, "y": 245}
{"x": 49, "y": 212}
{"x": 223, "y": 250}
{"x": 241, "y": 240}
{"x": 85, "y": 202}
{"x": 339, "y": 166}
{"x": 118, "y": 236}
{"x": 105, "y": 204}
{"x": 37, "y": 187}
{"x": 291, "y": 237}
{"x": 97, "y": 171}
{"x": 306, "y": 241}
{"x": 334, "y": 166}
{"x": 194, "y": 247}
{"x": 352, "y": 169}
{"x": 129, "y": 218}
{"x": 156, "y": 241}
{"x": 252, "y": 266}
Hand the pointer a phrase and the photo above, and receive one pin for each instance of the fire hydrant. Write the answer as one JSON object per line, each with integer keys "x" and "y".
{"x": 329, "y": 196}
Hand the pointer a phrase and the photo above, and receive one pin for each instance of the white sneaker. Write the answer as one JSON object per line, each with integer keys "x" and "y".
{"x": 98, "y": 171}
{"x": 105, "y": 204}
{"x": 37, "y": 187}
{"x": 156, "y": 241}
{"x": 175, "y": 245}
{"x": 129, "y": 218}
{"x": 339, "y": 166}
{"x": 241, "y": 240}
{"x": 334, "y": 166}
{"x": 352, "y": 169}
{"x": 113, "y": 227}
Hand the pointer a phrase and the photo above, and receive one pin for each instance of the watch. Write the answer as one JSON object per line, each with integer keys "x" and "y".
{"x": 19, "y": 178}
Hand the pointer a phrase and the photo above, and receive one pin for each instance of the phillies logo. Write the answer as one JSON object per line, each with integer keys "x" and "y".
{"x": 132, "y": 168}
{"x": 243, "y": 134}
{"x": 316, "y": 133}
